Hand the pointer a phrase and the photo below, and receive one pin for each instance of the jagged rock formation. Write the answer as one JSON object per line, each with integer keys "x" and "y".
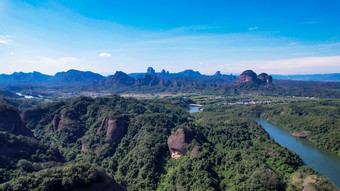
{"x": 119, "y": 78}
{"x": 11, "y": 122}
{"x": 178, "y": 143}
{"x": 251, "y": 76}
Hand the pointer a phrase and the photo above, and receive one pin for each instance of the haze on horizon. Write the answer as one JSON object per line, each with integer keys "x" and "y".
{"x": 277, "y": 37}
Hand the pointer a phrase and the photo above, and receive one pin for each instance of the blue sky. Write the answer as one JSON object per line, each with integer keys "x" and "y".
{"x": 277, "y": 37}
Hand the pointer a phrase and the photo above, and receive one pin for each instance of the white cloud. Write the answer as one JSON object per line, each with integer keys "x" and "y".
{"x": 253, "y": 28}
{"x": 5, "y": 39}
{"x": 12, "y": 53}
{"x": 103, "y": 54}
{"x": 292, "y": 44}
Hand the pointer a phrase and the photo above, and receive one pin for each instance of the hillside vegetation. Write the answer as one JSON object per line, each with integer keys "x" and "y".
{"x": 86, "y": 142}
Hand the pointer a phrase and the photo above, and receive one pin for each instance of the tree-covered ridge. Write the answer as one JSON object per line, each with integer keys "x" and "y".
{"x": 128, "y": 139}
{"x": 70, "y": 177}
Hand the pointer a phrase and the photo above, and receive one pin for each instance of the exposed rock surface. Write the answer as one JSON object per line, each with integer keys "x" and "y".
{"x": 264, "y": 78}
{"x": 115, "y": 129}
{"x": 251, "y": 76}
{"x": 64, "y": 122}
{"x": 11, "y": 122}
{"x": 247, "y": 76}
{"x": 178, "y": 143}
{"x": 195, "y": 151}
{"x": 55, "y": 122}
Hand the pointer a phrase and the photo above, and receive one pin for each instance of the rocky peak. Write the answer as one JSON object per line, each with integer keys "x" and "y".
{"x": 218, "y": 74}
{"x": 250, "y": 76}
{"x": 264, "y": 78}
{"x": 247, "y": 76}
{"x": 150, "y": 70}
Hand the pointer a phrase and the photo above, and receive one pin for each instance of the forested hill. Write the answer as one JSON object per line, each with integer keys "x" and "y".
{"x": 145, "y": 145}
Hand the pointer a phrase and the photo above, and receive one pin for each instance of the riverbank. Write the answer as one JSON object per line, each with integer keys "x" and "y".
{"x": 324, "y": 162}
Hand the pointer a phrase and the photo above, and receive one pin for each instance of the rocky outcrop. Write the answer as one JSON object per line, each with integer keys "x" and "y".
{"x": 113, "y": 128}
{"x": 116, "y": 129}
{"x": 178, "y": 143}
{"x": 84, "y": 149}
{"x": 11, "y": 122}
{"x": 251, "y": 76}
{"x": 218, "y": 74}
{"x": 264, "y": 78}
{"x": 195, "y": 151}
{"x": 63, "y": 122}
{"x": 247, "y": 76}
{"x": 150, "y": 70}
{"x": 55, "y": 122}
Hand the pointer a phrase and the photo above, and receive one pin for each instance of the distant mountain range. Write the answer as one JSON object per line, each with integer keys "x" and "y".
{"x": 335, "y": 77}
{"x": 187, "y": 78}
{"x": 71, "y": 77}
{"x": 150, "y": 78}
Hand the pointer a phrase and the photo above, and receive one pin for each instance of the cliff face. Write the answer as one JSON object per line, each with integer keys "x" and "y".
{"x": 247, "y": 76}
{"x": 264, "y": 78}
{"x": 11, "y": 122}
{"x": 113, "y": 128}
{"x": 116, "y": 129}
{"x": 251, "y": 76}
{"x": 63, "y": 122}
{"x": 178, "y": 143}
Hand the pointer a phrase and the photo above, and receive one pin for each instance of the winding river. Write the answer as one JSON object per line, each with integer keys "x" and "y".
{"x": 324, "y": 162}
